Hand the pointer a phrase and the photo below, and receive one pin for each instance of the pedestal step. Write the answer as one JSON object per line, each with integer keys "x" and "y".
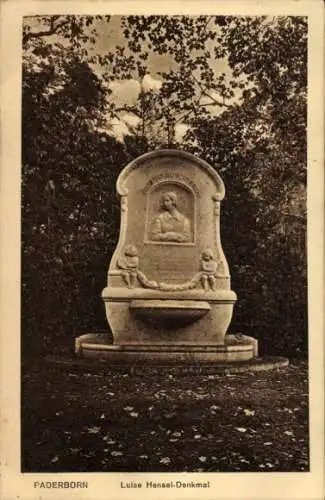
{"x": 94, "y": 346}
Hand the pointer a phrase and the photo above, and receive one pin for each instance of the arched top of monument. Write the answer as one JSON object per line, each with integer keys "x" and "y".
{"x": 175, "y": 154}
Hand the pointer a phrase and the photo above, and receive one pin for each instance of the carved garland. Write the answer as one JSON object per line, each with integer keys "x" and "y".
{"x": 167, "y": 287}
{"x": 128, "y": 265}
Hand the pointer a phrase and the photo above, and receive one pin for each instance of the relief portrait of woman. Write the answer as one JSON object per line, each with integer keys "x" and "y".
{"x": 170, "y": 225}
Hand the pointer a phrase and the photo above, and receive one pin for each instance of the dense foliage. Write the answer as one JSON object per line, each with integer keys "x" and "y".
{"x": 248, "y": 120}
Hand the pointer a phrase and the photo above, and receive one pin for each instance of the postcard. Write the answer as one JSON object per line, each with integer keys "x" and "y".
{"x": 162, "y": 249}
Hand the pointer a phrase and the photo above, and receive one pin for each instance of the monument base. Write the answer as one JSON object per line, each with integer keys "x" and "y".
{"x": 103, "y": 366}
{"x": 237, "y": 348}
{"x": 238, "y": 354}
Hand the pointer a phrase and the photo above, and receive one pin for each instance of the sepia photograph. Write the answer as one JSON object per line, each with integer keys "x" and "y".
{"x": 164, "y": 286}
{"x": 100, "y": 93}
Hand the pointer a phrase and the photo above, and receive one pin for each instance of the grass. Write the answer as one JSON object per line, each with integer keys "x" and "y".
{"x": 164, "y": 422}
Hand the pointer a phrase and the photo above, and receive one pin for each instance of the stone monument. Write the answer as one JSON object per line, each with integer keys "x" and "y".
{"x": 168, "y": 297}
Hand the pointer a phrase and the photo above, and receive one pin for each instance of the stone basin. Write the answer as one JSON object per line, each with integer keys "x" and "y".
{"x": 170, "y": 313}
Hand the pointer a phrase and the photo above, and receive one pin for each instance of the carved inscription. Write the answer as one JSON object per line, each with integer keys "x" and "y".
{"x": 171, "y": 176}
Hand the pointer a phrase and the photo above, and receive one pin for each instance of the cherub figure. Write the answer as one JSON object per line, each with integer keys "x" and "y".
{"x": 129, "y": 265}
{"x": 208, "y": 269}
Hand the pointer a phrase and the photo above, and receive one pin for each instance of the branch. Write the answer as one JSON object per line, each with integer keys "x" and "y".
{"x": 200, "y": 105}
{"x": 131, "y": 128}
{"x": 204, "y": 92}
{"x": 215, "y": 102}
{"x": 128, "y": 109}
{"x": 208, "y": 21}
{"x": 181, "y": 118}
{"x": 51, "y": 31}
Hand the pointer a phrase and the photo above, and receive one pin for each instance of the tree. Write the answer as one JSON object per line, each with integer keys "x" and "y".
{"x": 68, "y": 197}
{"x": 77, "y": 31}
{"x": 261, "y": 149}
{"x": 250, "y": 121}
{"x": 192, "y": 85}
{"x": 236, "y": 84}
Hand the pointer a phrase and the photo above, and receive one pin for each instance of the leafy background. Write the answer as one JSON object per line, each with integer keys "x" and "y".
{"x": 99, "y": 91}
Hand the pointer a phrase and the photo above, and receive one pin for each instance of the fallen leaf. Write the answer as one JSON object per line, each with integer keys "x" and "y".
{"x": 288, "y": 433}
{"x": 203, "y": 459}
{"x": 240, "y": 429}
{"x": 55, "y": 459}
{"x": 248, "y": 412}
{"x": 94, "y": 430}
{"x": 75, "y": 450}
{"x": 109, "y": 441}
{"x": 134, "y": 414}
{"x": 165, "y": 460}
{"x": 170, "y": 415}
{"x": 116, "y": 453}
{"x": 268, "y": 443}
{"x": 128, "y": 408}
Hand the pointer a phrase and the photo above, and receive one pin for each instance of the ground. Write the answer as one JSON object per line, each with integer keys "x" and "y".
{"x": 164, "y": 421}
